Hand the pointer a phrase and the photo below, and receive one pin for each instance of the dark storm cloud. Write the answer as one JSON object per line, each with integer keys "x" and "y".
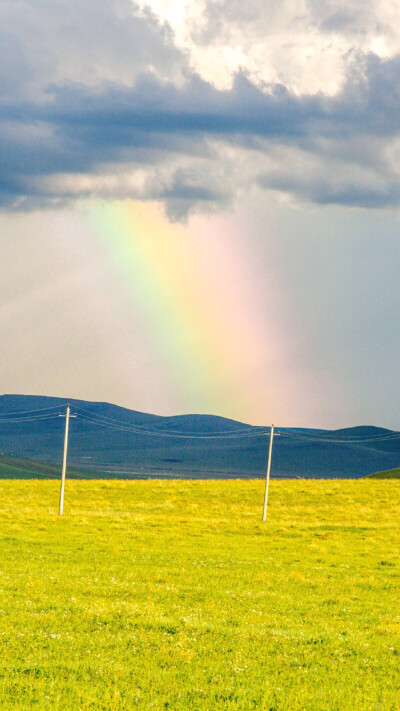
{"x": 151, "y": 106}
{"x": 369, "y": 103}
{"x": 80, "y": 129}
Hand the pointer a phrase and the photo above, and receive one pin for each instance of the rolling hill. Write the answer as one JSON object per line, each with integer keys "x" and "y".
{"x": 388, "y": 474}
{"x": 118, "y": 442}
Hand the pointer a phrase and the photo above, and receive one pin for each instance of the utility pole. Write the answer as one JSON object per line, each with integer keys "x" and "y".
{"x": 64, "y": 466}
{"x": 271, "y": 437}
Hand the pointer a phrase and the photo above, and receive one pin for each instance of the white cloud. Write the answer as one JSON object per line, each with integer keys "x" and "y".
{"x": 304, "y": 44}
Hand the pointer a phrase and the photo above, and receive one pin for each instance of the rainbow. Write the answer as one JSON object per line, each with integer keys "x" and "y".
{"x": 193, "y": 287}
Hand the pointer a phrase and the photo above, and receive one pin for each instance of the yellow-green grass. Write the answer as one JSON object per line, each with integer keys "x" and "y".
{"x": 174, "y": 595}
{"x": 388, "y": 474}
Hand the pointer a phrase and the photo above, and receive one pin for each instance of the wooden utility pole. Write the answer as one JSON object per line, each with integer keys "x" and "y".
{"x": 64, "y": 466}
{"x": 271, "y": 437}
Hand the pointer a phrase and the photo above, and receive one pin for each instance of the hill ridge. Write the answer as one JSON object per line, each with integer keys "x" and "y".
{"x": 112, "y": 438}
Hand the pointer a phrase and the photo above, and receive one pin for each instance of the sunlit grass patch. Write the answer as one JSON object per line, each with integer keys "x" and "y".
{"x": 172, "y": 594}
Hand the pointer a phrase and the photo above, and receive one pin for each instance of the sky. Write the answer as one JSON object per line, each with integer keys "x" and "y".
{"x": 199, "y": 206}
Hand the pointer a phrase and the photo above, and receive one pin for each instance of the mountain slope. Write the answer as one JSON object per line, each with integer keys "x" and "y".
{"x": 121, "y": 442}
{"x": 388, "y": 474}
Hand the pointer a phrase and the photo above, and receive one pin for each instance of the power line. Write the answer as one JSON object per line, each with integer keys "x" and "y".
{"x": 249, "y": 428}
{"x": 298, "y": 432}
{"x": 154, "y": 433}
{"x": 29, "y": 419}
{"x": 332, "y": 440}
{"x": 249, "y": 432}
{"x": 381, "y": 438}
{"x": 17, "y": 413}
{"x": 160, "y": 433}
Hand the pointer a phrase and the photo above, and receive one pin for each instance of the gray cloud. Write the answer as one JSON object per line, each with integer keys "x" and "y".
{"x": 354, "y": 17}
{"x": 110, "y": 108}
{"x": 50, "y": 42}
{"x": 223, "y": 19}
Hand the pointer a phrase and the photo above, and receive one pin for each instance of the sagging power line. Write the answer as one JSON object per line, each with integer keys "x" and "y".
{"x": 112, "y": 421}
{"x": 290, "y": 435}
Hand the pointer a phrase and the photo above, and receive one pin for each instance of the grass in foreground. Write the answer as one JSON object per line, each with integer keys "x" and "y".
{"x": 173, "y": 595}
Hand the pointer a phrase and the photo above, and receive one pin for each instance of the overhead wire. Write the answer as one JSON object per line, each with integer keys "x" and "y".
{"x": 123, "y": 422}
{"x": 175, "y": 435}
{"x": 17, "y": 413}
{"x": 331, "y": 434}
{"x": 250, "y": 429}
{"x": 248, "y": 432}
{"x": 347, "y": 440}
{"x": 29, "y": 419}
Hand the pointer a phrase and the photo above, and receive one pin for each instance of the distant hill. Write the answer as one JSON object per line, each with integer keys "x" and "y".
{"x": 22, "y": 468}
{"x": 107, "y": 440}
{"x": 389, "y": 474}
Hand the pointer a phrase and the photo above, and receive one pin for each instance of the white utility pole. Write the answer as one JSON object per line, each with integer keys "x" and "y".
{"x": 64, "y": 466}
{"x": 271, "y": 437}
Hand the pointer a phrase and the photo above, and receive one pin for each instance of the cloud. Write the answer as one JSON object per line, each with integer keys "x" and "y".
{"x": 51, "y": 42}
{"x": 111, "y": 108}
{"x": 255, "y": 18}
{"x": 303, "y": 44}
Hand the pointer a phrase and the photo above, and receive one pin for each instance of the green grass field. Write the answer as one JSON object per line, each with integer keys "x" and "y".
{"x": 173, "y": 595}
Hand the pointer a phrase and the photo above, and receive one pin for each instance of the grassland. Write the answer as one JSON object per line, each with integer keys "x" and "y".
{"x": 388, "y": 474}
{"x": 173, "y": 595}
